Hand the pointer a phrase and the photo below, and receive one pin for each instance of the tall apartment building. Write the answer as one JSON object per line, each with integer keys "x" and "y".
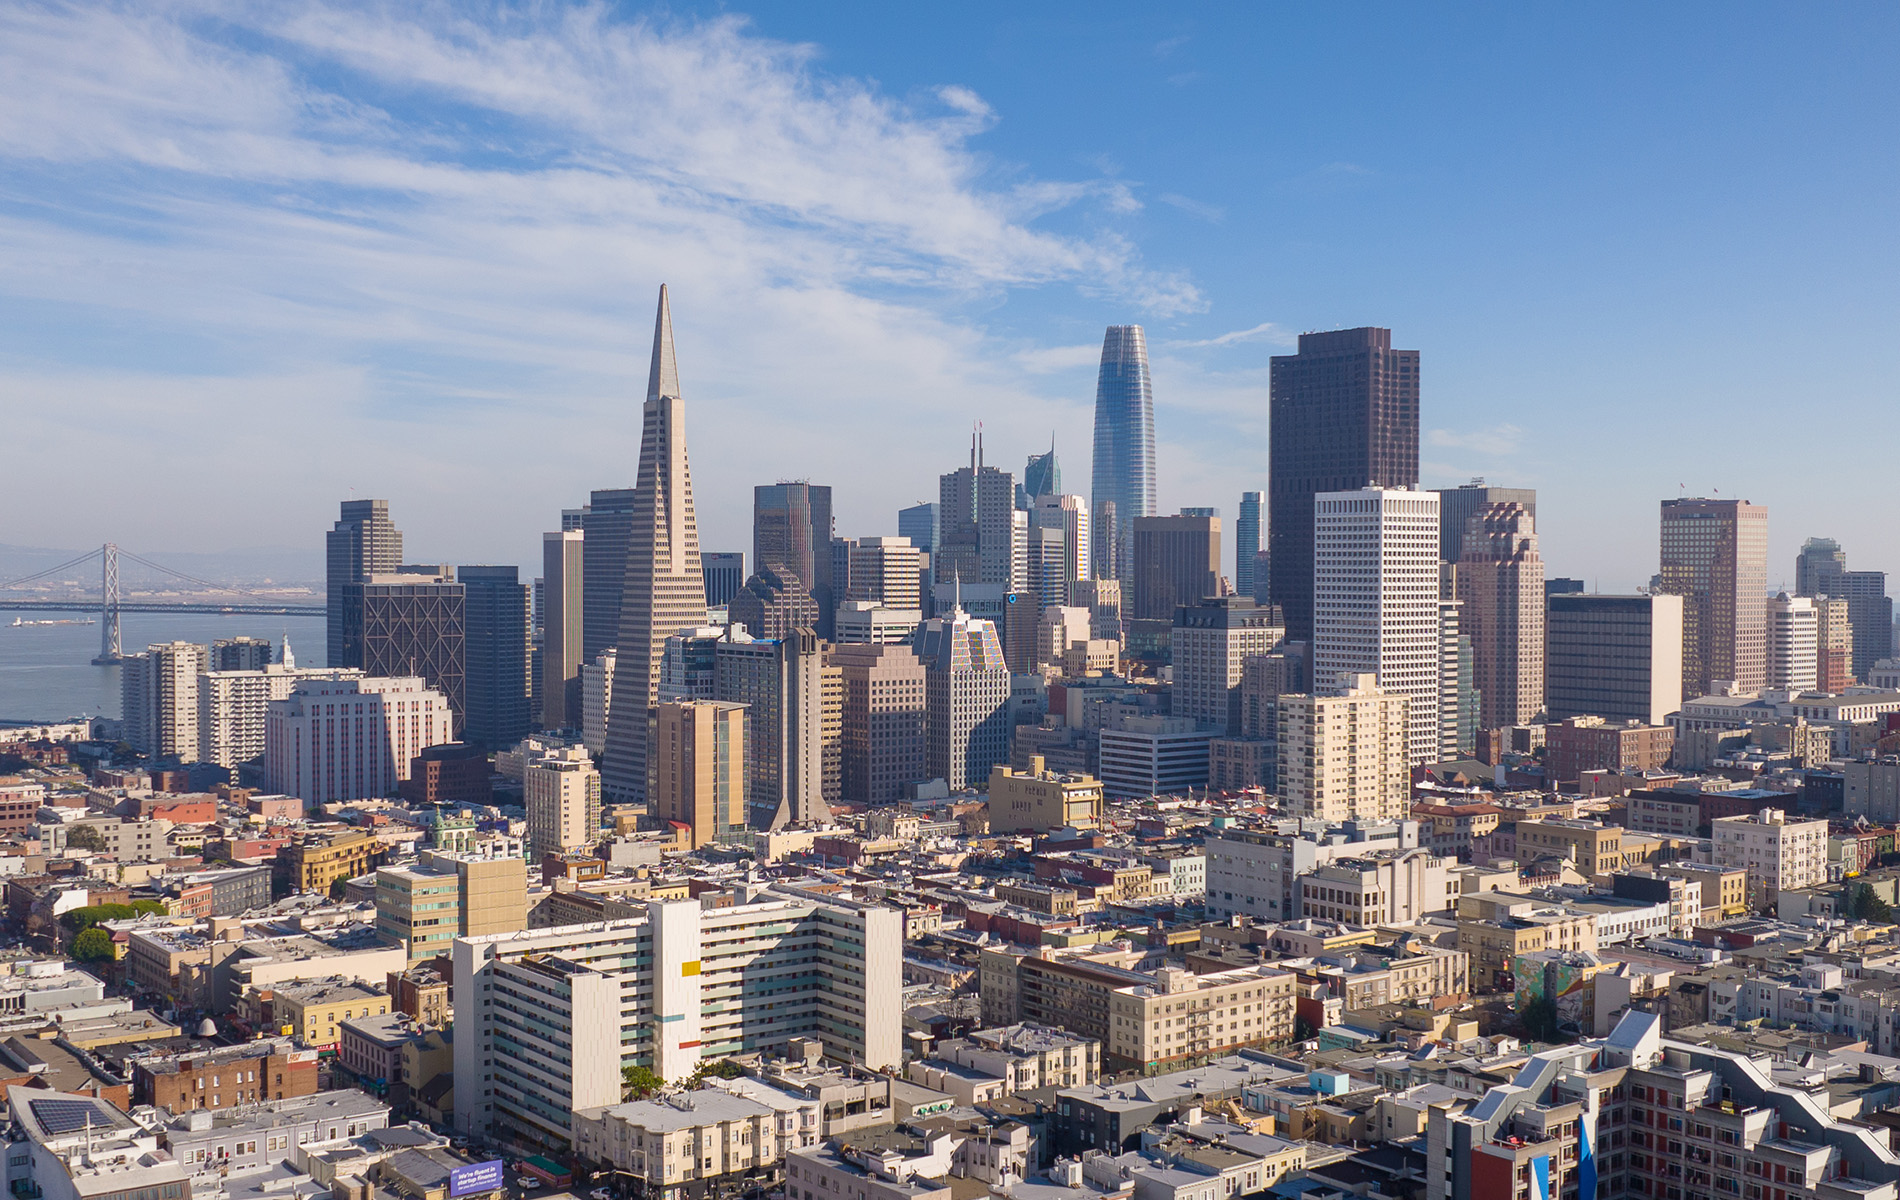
{"x": 1780, "y": 854}
{"x": 1176, "y": 561}
{"x": 1456, "y": 507}
{"x": 158, "y": 693}
{"x": 700, "y": 774}
{"x": 887, "y": 571}
{"x": 791, "y": 532}
{"x": 1553, "y": 1131}
{"x": 1375, "y": 600}
{"x": 351, "y": 739}
{"x": 232, "y": 705}
{"x": 977, "y": 539}
{"x": 1794, "y": 644}
{"x": 496, "y": 633}
{"x": 1500, "y": 580}
{"x": 362, "y": 543}
{"x": 1212, "y": 639}
{"x": 597, "y": 693}
{"x": 724, "y": 572}
{"x": 668, "y": 989}
{"x": 561, "y": 790}
{"x": 1345, "y": 757}
{"x": 605, "y": 522}
{"x": 966, "y": 697}
{"x": 1123, "y": 473}
{"x": 1578, "y": 744}
{"x": 1247, "y": 544}
{"x": 563, "y": 623}
{"x": 781, "y": 682}
{"x": 1715, "y": 556}
{"x": 1343, "y": 414}
{"x": 1615, "y": 657}
{"x": 664, "y": 589}
{"x": 884, "y": 739}
{"x": 1833, "y": 645}
{"x": 441, "y": 897}
{"x": 416, "y": 623}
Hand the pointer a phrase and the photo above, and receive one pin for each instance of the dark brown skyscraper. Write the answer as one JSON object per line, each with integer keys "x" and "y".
{"x": 1344, "y": 415}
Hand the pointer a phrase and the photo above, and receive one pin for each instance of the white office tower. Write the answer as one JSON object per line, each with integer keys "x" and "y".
{"x": 1070, "y": 514}
{"x": 545, "y": 1020}
{"x": 1344, "y": 757}
{"x": 966, "y": 696}
{"x": 1794, "y": 644}
{"x": 1375, "y": 599}
{"x": 561, "y": 790}
{"x": 351, "y": 739}
{"x": 158, "y": 692}
{"x": 597, "y": 695}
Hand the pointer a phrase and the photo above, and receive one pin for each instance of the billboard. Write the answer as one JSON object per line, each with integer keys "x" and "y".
{"x": 476, "y": 1177}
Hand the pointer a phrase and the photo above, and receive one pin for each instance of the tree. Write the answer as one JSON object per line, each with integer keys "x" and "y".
{"x": 337, "y": 887}
{"x": 1539, "y": 1015}
{"x": 637, "y": 1083}
{"x": 715, "y": 1068}
{"x": 1864, "y": 905}
{"x": 93, "y": 945}
{"x": 85, "y": 837}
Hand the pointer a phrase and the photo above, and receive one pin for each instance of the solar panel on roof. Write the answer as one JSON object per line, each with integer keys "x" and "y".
{"x": 61, "y": 1117}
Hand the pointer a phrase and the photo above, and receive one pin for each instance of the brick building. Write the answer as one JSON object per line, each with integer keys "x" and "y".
{"x": 226, "y": 1077}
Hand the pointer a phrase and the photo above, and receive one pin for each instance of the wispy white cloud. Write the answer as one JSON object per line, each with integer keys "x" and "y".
{"x": 1046, "y": 360}
{"x": 1194, "y": 208}
{"x": 1266, "y": 331}
{"x": 1495, "y": 440}
{"x": 463, "y": 212}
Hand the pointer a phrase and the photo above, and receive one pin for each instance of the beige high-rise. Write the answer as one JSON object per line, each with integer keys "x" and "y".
{"x": 1715, "y": 556}
{"x": 887, "y": 570}
{"x": 1343, "y": 757}
{"x": 1501, "y": 585}
{"x": 562, "y": 792}
{"x": 700, "y": 772}
{"x": 665, "y": 590}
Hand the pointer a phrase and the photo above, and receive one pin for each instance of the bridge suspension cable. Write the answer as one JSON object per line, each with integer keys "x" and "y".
{"x": 88, "y": 556}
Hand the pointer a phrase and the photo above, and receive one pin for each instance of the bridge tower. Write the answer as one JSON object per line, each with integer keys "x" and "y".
{"x": 110, "y": 648}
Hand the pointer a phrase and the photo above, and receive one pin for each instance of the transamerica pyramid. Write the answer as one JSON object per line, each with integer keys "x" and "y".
{"x": 664, "y": 590}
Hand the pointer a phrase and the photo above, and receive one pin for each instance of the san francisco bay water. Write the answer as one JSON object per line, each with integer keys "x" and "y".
{"x": 46, "y": 671}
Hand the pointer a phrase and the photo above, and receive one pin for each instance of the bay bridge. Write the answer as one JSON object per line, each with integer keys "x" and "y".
{"x": 111, "y": 603}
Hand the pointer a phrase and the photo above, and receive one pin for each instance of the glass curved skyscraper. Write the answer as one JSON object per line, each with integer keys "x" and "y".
{"x": 1124, "y": 466}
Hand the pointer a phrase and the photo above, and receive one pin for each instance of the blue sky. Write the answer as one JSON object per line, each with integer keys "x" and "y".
{"x": 256, "y": 257}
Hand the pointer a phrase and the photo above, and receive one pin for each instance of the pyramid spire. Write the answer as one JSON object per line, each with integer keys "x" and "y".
{"x": 663, "y": 590}
{"x": 664, "y": 377}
